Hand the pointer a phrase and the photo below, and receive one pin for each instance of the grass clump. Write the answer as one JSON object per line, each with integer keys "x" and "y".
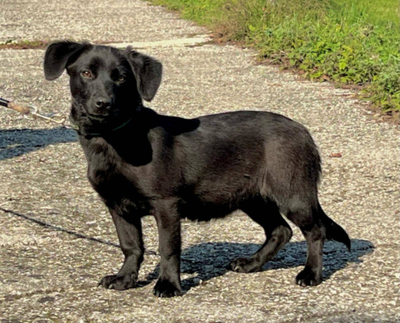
{"x": 352, "y": 42}
{"x": 24, "y": 44}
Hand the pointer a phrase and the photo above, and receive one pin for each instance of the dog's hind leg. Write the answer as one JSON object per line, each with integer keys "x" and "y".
{"x": 316, "y": 227}
{"x": 277, "y": 231}
{"x": 307, "y": 218}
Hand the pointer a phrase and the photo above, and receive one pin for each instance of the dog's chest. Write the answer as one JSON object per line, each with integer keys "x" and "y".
{"x": 117, "y": 182}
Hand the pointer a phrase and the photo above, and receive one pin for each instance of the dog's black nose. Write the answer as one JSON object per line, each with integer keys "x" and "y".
{"x": 103, "y": 103}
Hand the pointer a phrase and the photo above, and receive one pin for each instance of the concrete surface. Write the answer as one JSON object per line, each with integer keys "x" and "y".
{"x": 57, "y": 240}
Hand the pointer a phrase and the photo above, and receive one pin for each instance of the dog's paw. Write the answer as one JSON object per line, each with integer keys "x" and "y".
{"x": 118, "y": 282}
{"x": 307, "y": 277}
{"x": 165, "y": 288}
{"x": 245, "y": 265}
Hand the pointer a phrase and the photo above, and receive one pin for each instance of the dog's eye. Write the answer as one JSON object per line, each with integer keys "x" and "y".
{"x": 87, "y": 74}
{"x": 121, "y": 79}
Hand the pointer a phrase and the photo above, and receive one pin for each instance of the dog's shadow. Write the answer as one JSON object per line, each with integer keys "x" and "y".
{"x": 16, "y": 142}
{"x": 210, "y": 260}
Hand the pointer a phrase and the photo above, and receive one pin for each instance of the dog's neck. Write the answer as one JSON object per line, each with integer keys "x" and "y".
{"x": 129, "y": 138}
{"x": 141, "y": 119}
{"x": 97, "y": 134}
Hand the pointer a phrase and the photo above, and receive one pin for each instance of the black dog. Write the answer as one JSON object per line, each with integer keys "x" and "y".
{"x": 142, "y": 163}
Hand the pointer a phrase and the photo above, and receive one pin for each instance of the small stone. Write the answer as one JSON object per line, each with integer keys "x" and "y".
{"x": 46, "y": 299}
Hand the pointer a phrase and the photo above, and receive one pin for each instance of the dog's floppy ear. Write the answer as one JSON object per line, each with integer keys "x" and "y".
{"x": 58, "y": 55}
{"x": 148, "y": 73}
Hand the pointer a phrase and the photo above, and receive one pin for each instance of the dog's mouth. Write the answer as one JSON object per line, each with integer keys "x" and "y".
{"x": 99, "y": 117}
{"x": 104, "y": 117}
{"x": 94, "y": 123}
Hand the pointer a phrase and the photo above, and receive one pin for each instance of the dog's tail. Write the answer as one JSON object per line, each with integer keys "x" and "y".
{"x": 333, "y": 230}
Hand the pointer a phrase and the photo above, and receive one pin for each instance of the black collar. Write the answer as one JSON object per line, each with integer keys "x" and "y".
{"x": 97, "y": 134}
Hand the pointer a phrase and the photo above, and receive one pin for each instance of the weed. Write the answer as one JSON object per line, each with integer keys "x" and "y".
{"x": 24, "y": 44}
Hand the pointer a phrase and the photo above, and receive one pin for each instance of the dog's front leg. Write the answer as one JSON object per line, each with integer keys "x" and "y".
{"x": 169, "y": 230}
{"x": 129, "y": 230}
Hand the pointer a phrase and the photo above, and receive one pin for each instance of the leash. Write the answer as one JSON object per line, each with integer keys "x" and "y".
{"x": 32, "y": 112}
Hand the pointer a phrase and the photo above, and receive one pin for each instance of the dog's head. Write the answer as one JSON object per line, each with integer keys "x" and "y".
{"x": 107, "y": 84}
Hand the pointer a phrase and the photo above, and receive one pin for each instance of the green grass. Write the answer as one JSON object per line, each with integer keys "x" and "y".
{"x": 24, "y": 44}
{"x": 352, "y": 42}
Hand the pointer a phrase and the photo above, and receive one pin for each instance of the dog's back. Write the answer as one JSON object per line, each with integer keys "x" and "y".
{"x": 234, "y": 157}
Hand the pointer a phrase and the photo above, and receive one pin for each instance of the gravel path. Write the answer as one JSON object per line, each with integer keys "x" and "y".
{"x": 57, "y": 239}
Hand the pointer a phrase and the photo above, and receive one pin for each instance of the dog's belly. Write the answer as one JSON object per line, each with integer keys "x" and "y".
{"x": 203, "y": 211}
